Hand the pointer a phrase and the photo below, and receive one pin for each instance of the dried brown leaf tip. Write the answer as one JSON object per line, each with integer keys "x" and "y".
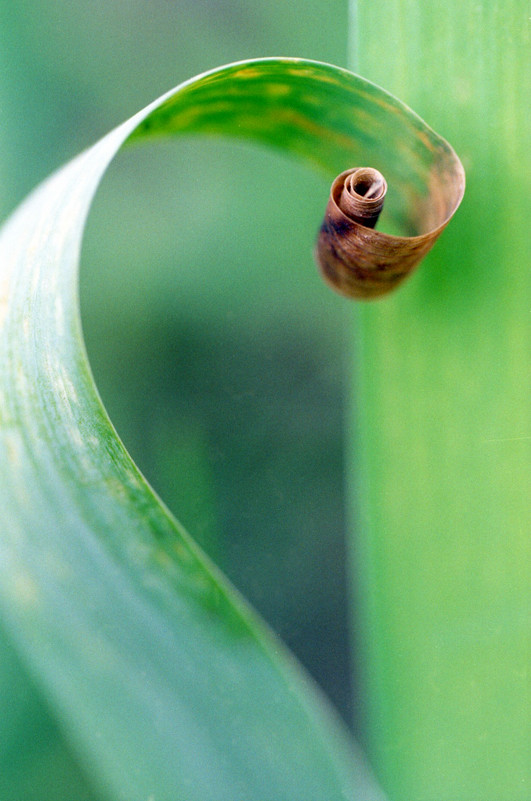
{"x": 362, "y": 263}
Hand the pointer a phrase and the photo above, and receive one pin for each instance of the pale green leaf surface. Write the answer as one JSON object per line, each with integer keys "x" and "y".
{"x": 36, "y": 763}
{"x": 165, "y": 681}
{"x": 442, "y": 447}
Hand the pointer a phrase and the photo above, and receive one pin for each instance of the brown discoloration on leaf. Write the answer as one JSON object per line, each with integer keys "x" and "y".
{"x": 362, "y": 263}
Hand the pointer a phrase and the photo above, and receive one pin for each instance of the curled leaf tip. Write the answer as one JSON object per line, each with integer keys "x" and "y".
{"x": 360, "y": 194}
{"x": 362, "y": 263}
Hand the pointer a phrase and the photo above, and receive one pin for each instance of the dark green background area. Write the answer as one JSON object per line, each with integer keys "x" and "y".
{"x": 217, "y": 349}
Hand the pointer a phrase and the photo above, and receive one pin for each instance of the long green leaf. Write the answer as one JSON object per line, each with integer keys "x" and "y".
{"x": 164, "y": 680}
{"x": 442, "y": 447}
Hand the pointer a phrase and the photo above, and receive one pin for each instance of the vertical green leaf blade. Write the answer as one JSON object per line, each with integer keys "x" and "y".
{"x": 441, "y": 397}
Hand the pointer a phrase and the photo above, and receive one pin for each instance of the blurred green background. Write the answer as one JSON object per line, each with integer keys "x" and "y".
{"x": 217, "y": 350}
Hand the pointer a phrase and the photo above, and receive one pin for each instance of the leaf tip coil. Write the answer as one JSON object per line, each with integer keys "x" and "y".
{"x": 362, "y": 263}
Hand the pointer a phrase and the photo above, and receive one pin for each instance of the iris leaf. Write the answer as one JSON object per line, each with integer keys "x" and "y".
{"x": 165, "y": 682}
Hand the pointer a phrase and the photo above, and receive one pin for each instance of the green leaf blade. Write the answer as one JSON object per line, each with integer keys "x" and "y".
{"x": 442, "y": 430}
{"x": 166, "y": 682}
